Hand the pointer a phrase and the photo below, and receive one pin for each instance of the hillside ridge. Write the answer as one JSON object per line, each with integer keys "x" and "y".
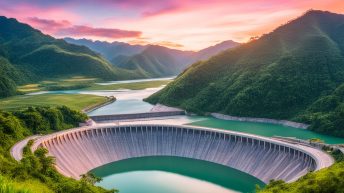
{"x": 281, "y": 75}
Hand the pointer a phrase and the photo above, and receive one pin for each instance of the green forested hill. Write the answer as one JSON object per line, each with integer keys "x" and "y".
{"x": 7, "y": 76}
{"x": 157, "y": 61}
{"x": 323, "y": 181}
{"x": 326, "y": 115}
{"x": 28, "y": 55}
{"x": 150, "y": 60}
{"x": 281, "y": 75}
{"x": 35, "y": 173}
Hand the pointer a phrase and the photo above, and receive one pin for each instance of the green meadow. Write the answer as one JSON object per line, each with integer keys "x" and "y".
{"x": 74, "y": 101}
{"x": 85, "y": 83}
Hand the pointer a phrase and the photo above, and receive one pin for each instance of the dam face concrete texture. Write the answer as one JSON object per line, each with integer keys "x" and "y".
{"x": 80, "y": 150}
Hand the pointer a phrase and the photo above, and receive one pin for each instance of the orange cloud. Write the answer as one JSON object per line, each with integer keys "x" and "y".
{"x": 169, "y": 44}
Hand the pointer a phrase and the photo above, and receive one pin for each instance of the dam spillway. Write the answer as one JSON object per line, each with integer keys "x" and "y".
{"x": 78, "y": 151}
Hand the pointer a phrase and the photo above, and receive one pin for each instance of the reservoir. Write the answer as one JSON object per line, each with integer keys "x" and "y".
{"x": 173, "y": 175}
{"x": 131, "y": 101}
{"x": 266, "y": 129}
{"x": 162, "y": 174}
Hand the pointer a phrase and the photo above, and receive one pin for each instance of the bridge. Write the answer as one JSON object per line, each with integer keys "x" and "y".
{"x": 80, "y": 150}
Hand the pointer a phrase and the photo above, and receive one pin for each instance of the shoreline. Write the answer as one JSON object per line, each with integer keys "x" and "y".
{"x": 260, "y": 120}
{"x": 91, "y": 108}
{"x": 250, "y": 119}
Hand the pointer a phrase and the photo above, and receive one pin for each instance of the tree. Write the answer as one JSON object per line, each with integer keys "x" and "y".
{"x": 90, "y": 178}
{"x": 46, "y": 161}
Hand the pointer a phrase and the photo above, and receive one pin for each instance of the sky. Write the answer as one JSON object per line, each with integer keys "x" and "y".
{"x": 180, "y": 24}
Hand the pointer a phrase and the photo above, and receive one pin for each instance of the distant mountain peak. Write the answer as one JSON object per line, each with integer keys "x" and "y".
{"x": 215, "y": 49}
{"x": 318, "y": 12}
{"x": 150, "y": 60}
{"x": 107, "y": 49}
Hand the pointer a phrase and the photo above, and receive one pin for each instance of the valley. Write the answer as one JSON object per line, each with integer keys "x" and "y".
{"x": 97, "y": 115}
{"x": 131, "y": 101}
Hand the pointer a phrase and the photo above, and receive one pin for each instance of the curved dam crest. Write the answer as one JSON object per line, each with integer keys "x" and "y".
{"x": 78, "y": 151}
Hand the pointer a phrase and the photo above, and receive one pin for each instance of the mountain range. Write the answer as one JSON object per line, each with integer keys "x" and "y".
{"x": 27, "y": 55}
{"x": 107, "y": 49}
{"x": 296, "y": 72}
{"x": 150, "y": 60}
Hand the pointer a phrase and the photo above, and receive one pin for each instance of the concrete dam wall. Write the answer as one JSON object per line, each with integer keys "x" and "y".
{"x": 79, "y": 150}
{"x": 117, "y": 117}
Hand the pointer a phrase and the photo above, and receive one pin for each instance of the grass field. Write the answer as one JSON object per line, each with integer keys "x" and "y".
{"x": 75, "y": 82}
{"x": 75, "y": 101}
{"x": 132, "y": 86}
{"x": 84, "y": 83}
{"x": 32, "y": 185}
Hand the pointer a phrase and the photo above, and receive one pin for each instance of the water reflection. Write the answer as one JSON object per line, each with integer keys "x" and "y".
{"x": 159, "y": 182}
{"x": 166, "y": 174}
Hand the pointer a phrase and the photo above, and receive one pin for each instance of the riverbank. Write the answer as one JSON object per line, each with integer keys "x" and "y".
{"x": 84, "y": 98}
{"x": 260, "y": 120}
{"x": 91, "y": 108}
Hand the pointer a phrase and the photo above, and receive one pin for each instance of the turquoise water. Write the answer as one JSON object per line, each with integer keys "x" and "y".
{"x": 130, "y": 101}
{"x": 266, "y": 129}
{"x": 181, "y": 175}
{"x": 164, "y": 174}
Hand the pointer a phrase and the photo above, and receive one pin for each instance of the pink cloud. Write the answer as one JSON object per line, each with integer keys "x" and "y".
{"x": 161, "y": 11}
{"x": 142, "y": 7}
{"x": 23, "y": 11}
{"x": 47, "y": 25}
{"x": 49, "y": 22}
{"x": 81, "y": 30}
{"x": 193, "y": 23}
{"x": 65, "y": 28}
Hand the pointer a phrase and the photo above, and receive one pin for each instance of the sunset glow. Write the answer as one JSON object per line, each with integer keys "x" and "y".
{"x": 184, "y": 24}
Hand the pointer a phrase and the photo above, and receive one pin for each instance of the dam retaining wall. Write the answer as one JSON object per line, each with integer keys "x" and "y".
{"x": 80, "y": 150}
{"x": 117, "y": 117}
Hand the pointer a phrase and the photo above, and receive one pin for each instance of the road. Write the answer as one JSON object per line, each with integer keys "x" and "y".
{"x": 17, "y": 149}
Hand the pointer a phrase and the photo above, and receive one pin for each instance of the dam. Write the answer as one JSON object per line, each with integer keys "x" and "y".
{"x": 80, "y": 150}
